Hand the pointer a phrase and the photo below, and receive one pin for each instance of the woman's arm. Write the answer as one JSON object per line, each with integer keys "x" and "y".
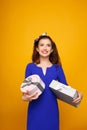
{"x": 62, "y": 79}
{"x": 61, "y": 76}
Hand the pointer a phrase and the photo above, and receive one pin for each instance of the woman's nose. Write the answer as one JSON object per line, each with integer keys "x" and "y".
{"x": 45, "y": 47}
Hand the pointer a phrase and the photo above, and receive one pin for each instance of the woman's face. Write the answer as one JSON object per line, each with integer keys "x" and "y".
{"x": 44, "y": 47}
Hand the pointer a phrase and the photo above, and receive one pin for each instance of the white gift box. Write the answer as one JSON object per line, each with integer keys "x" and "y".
{"x": 64, "y": 92}
{"x": 33, "y": 84}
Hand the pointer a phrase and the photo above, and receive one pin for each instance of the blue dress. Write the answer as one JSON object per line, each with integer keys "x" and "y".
{"x": 43, "y": 113}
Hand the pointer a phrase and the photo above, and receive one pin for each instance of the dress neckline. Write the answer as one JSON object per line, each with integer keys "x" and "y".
{"x": 41, "y": 67}
{"x": 44, "y": 72}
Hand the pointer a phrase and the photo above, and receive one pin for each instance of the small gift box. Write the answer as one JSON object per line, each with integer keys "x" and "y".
{"x": 33, "y": 84}
{"x": 64, "y": 92}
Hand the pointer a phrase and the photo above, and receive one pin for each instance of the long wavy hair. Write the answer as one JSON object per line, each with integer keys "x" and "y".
{"x": 54, "y": 56}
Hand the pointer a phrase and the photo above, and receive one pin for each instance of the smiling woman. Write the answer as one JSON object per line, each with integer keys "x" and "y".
{"x": 44, "y": 44}
{"x": 40, "y": 116}
{"x": 44, "y": 48}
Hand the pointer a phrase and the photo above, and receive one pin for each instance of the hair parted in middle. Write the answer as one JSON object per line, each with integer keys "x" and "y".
{"x": 54, "y": 56}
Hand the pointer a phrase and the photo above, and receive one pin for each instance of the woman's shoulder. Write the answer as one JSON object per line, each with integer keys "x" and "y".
{"x": 57, "y": 66}
{"x": 30, "y": 65}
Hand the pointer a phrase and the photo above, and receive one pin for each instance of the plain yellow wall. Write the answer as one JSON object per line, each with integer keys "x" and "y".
{"x": 22, "y": 21}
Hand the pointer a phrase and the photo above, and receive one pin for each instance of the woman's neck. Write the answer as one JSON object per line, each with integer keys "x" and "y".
{"x": 45, "y": 62}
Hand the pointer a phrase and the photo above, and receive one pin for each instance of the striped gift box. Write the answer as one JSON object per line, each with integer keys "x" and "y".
{"x": 64, "y": 92}
{"x": 33, "y": 84}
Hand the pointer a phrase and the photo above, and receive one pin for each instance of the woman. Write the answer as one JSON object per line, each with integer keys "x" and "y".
{"x": 43, "y": 112}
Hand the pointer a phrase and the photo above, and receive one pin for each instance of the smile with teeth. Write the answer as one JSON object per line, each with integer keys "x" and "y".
{"x": 44, "y": 52}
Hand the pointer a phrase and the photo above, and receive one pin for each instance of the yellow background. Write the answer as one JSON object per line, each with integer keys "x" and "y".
{"x": 22, "y": 21}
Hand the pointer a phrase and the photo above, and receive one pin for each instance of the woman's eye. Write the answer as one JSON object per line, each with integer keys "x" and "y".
{"x": 48, "y": 45}
{"x": 41, "y": 44}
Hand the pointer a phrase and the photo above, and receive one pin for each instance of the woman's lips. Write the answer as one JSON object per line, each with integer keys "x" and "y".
{"x": 44, "y": 52}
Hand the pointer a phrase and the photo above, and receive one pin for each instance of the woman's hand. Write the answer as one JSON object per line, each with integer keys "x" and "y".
{"x": 78, "y": 99}
{"x": 29, "y": 97}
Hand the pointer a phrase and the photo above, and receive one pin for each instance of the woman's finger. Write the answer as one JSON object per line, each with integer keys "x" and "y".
{"x": 32, "y": 96}
{"x": 78, "y": 99}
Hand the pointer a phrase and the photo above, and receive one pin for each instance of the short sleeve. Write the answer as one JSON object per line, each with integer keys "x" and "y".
{"x": 61, "y": 76}
{"x": 28, "y": 70}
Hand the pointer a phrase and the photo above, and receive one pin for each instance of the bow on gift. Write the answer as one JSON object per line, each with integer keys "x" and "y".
{"x": 29, "y": 82}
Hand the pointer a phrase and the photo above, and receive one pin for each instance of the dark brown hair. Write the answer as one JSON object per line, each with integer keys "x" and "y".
{"x": 54, "y": 56}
